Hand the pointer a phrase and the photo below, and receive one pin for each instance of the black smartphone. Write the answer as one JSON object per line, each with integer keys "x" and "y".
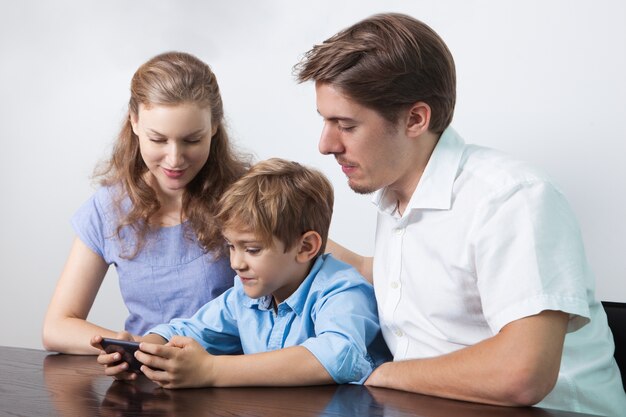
{"x": 126, "y": 349}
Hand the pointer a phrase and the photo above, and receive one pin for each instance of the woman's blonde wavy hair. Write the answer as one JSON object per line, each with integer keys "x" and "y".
{"x": 169, "y": 79}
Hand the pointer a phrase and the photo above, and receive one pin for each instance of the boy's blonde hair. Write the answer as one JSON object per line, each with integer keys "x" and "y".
{"x": 278, "y": 198}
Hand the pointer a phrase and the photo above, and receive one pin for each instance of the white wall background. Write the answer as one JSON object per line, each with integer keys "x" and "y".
{"x": 543, "y": 80}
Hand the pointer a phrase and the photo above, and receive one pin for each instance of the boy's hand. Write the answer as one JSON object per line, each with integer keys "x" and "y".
{"x": 181, "y": 363}
{"x": 111, "y": 361}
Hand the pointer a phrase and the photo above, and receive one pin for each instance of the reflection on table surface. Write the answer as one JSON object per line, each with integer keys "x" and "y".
{"x": 35, "y": 383}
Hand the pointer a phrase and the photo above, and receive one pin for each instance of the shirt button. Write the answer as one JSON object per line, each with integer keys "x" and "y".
{"x": 399, "y": 333}
{"x": 395, "y": 285}
{"x": 399, "y": 232}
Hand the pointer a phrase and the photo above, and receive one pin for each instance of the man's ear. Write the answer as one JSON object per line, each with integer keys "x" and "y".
{"x": 418, "y": 119}
{"x": 308, "y": 246}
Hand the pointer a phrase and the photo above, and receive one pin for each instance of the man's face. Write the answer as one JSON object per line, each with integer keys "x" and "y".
{"x": 371, "y": 151}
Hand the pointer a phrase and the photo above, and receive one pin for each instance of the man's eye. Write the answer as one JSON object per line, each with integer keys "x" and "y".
{"x": 345, "y": 128}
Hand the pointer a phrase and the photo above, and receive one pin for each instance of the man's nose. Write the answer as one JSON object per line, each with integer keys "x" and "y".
{"x": 330, "y": 140}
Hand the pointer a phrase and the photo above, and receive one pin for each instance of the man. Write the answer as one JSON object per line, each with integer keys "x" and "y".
{"x": 483, "y": 290}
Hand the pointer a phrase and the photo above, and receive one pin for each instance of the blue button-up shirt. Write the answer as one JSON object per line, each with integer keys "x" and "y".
{"x": 332, "y": 314}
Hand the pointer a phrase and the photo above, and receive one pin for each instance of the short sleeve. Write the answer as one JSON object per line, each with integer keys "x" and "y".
{"x": 89, "y": 224}
{"x": 346, "y": 325}
{"x": 214, "y": 326}
{"x": 530, "y": 257}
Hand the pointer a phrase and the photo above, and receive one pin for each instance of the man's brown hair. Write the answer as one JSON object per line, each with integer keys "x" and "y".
{"x": 387, "y": 62}
{"x": 278, "y": 198}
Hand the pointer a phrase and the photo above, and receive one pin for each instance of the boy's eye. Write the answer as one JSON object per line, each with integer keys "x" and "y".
{"x": 253, "y": 251}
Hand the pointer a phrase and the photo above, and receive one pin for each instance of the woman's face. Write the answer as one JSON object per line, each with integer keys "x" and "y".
{"x": 174, "y": 142}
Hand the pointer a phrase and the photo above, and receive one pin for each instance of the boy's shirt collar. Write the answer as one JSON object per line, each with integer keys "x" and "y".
{"x": 295, "y": 301}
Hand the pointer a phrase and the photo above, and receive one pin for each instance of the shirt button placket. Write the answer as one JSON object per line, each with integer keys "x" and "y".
{"x": 276, "y": 339}
{"x": 395, "y": 283}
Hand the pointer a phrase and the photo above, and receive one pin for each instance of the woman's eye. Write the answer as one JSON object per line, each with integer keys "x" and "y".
{"x": 156, "y": 140}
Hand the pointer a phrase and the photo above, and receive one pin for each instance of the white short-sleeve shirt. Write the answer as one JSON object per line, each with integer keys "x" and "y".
{"x": 486, "y": 240}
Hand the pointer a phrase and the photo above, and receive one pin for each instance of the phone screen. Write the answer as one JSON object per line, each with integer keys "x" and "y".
{"x": 126, "y": 349}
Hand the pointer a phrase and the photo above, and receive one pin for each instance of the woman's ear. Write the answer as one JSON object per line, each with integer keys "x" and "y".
{"x": 308, "y": 246}
{"x": 418, "y": 119}
{"x": 133, "y": 121}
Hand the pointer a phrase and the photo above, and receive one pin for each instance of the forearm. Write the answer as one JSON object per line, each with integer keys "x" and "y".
{"x": 519, "y": 366}
{"x": 456, "y": 376}
{"x": 285, "y": 367}
{"x": 72, "y": 335}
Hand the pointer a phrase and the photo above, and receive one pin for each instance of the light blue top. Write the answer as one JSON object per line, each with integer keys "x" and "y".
{"x": 170, "y": 277}
{"x": 332, "y": 314}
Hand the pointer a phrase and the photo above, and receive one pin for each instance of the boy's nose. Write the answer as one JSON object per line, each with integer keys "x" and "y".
{"x": 237, "y": 262}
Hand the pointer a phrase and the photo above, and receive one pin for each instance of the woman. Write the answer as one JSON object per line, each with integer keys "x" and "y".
{"x": 153, "y": 216}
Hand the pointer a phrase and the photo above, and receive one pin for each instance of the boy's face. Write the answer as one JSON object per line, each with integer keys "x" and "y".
{"x": 264, "y": 269}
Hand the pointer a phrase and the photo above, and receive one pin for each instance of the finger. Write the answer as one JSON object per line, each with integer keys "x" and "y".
{"x": 126, "y": 376}
{"x": 109, "y": 358}
{"x": 162, "y": 378}
{"x": 179, "y": 341}
{"x": 153, "y": 361}
{"x": 95, "y": 341}
{"x": 163, "y": 351}
{"x": 119, "y": 368}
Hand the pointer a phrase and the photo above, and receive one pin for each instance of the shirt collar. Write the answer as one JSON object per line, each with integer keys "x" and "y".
{"x": 295, "y": 301}
{"x": 434, "y": 190}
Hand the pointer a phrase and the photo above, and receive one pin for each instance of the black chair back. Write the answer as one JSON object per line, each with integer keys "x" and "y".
{"x": 616, "y": 315}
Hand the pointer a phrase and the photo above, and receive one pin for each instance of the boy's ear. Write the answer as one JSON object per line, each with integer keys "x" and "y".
{"x": 308, "y": 246}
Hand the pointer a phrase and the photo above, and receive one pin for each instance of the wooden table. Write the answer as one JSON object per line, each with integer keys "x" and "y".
{"x": 36, "y": 383}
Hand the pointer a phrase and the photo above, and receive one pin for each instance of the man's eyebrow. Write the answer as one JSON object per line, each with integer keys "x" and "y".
{"x": 337, "y": 118}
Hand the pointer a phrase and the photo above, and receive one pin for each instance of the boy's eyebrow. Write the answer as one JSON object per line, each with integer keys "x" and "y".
{"x": 244, "y": 242}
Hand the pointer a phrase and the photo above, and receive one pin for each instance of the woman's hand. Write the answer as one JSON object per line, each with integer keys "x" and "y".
{"x": 112, "y": 362}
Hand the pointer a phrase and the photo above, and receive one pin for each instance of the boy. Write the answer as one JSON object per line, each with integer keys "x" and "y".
{"x": 300, "y": 317}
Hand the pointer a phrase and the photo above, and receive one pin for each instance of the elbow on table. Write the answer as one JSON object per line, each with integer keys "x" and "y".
{"x": 526, "y": 388}
{"x": 52, "y": 338}
{"x": 48, "y": 341}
